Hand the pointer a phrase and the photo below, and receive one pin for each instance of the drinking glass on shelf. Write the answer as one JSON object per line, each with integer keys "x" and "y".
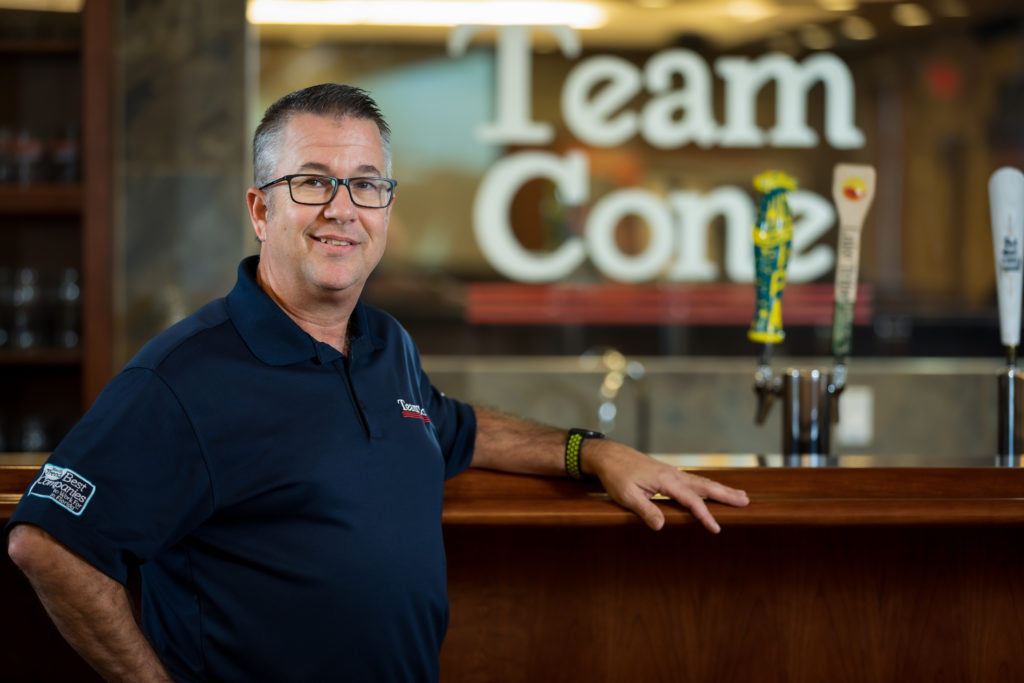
{"x": 28, "y": 157}
{"x": 6, "y": 305}
{"x": 8, "y": 171}
{"x": 33, "y": 434}
{"x": 26, "y": 329}
{"x": 67, "y": 310}
{"x": 63, "y": 155}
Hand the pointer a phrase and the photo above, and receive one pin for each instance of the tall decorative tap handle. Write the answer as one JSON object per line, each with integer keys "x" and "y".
{"x": 773, "y": 242}
{"x": 1006, "y": 202}
{"x": 853, "y": 190}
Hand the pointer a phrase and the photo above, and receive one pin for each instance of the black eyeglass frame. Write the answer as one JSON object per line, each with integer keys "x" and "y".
{"x": 335, "y": 183}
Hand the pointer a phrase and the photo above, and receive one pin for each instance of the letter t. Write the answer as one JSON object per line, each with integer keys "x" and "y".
{"x": 514, "y": 103}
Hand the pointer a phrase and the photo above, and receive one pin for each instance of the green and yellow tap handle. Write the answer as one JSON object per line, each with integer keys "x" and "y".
{"x": 773, "y": 243}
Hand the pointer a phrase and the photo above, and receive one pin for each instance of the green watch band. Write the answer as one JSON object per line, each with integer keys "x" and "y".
{"x": 572, "y": 450}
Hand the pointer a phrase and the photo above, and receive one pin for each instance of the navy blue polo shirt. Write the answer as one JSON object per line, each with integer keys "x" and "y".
{"x": 282, "y": 500}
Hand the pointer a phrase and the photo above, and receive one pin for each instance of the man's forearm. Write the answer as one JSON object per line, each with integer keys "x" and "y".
{"x": 631, "y": 478}
{"x": 511, "y": 444}
{"x": 92, "y": 611}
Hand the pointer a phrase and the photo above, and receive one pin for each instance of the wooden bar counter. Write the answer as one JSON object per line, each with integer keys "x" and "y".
{"x": 831, "y": 574}
{"x": 839, "y": 573}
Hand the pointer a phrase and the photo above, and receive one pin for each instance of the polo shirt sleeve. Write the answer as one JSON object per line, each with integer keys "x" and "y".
{"x": 453, "y": 420}
{"x": 127, "y": 481}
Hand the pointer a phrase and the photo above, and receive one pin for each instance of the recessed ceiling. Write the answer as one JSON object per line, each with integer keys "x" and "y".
{"x": 655, "y": 24}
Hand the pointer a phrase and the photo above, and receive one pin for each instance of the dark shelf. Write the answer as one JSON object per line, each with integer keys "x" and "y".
{"x": 62, "y": 220}
{"x": 41, "y": 357}
{"x": 44, "y": 199}
{"x": 49, "y": 46}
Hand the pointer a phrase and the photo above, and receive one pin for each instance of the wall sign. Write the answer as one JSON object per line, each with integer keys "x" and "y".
{"x": 594, "y": 99}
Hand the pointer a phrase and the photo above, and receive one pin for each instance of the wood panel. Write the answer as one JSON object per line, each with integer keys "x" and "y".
{"x": 829, "y": 575}
{"x": 14, "y": 479}
{"x": 47, "y": 200}
{"x": 779, "y": 496}
{"x": 97, "y": 185}
{"x": 753, "y": 604}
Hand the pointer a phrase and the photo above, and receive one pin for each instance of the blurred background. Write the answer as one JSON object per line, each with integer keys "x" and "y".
{"x": 124, "y": 158}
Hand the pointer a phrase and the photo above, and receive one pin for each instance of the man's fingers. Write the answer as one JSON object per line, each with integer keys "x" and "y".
{"x": 713, "y": 490}
{"x": 691, "y": 490}
{"x": 726, "y": 494}
{"x": 701, "y": 512}
{"x": 634, "y": 488}
{"x": 652, "y": 516}
{"x": 643, "y": 508}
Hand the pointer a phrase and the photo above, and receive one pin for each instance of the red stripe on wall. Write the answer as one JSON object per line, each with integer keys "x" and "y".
{"x": 507, "y": 303}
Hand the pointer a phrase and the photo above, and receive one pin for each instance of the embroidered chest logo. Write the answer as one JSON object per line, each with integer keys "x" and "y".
{"x": 64, "y": 487}
{"x": 412, "y": 410}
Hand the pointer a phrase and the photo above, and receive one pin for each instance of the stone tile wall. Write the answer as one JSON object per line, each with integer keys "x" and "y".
{"x": 182, "y": 164}
{"x": 925, "y": 408}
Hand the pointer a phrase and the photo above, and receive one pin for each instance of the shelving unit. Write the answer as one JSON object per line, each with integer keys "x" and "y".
{"x": 49, "y": 199}
{"x": 58, "y": 77}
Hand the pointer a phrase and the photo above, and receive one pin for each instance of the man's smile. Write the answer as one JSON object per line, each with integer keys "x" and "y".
{"x": 335, "y": 242}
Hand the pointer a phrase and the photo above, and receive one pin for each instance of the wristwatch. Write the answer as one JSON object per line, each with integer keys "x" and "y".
{"x": 572, "y": 449}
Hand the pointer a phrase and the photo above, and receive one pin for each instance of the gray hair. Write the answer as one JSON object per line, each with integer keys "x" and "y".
{"x": 326, "y": 99}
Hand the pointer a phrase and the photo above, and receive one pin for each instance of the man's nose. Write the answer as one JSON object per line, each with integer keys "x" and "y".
{"x": 341, "y": 205}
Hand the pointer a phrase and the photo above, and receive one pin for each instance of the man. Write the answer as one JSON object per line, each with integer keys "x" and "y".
{"x": 274, "y": 464}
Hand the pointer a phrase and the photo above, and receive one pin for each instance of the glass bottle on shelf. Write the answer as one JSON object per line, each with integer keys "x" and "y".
{"x": 8, "y": 170}
{"x": 28, "y": 157}
{"x": 33, "y": 435}
{"x": 6, "y": 306}
{"x": 26, "y": 328}
{"x": 63, "y": 156}
{"x": 68, "y": 310}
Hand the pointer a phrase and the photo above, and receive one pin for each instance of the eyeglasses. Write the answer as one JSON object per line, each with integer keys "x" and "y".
{"x": 315, "y": 190}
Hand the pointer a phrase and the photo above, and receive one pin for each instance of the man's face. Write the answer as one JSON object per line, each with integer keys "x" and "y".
{"x": 316, "y": 253}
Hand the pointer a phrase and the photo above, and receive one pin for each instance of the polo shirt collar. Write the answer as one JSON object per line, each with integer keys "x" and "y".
{"x": 273, "y": 337}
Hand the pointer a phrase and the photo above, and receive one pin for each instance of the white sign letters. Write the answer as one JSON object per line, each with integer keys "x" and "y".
{"x": 595, "y": 101}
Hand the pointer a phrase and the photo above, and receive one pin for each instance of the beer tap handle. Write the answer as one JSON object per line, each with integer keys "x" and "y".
{"x": 1006, "y": 202}
{"x": 853, "y": 191}
{"x": 773, "y": 241}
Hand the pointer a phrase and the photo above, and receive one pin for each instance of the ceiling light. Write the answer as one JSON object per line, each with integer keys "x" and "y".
{"x": 44, "y": 5}
{"x": 814, "y": 37}
{"x": 838, "y": 5}
{"x": 857, "y": 28}
{"x": 751, "y": 10}
{"x": 910, "y": 14}
{"x": 578, "y": 15}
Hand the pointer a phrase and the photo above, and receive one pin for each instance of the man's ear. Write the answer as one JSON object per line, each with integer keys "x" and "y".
{"x": 256, "y": 200}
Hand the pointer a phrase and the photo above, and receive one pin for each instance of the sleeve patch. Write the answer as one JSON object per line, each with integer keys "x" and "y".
{"x": 64, "y": 487}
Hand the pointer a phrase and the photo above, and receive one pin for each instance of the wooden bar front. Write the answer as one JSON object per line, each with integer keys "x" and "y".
{"x": 831, "y": 574}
